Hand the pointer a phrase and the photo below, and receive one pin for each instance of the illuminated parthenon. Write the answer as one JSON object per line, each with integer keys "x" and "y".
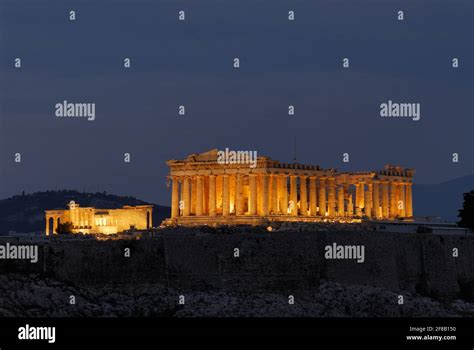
{"x": 208, "y": 192}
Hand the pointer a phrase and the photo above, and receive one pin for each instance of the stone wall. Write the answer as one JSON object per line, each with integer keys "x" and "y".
{"x": 269, "y": 261}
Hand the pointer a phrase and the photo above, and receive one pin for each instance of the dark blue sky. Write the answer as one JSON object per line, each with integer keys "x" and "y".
{"x": 190, "y": 63}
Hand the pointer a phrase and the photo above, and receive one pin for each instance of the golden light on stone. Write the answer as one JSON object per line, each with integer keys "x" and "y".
{"x": 106, "y": 221}
{"x": 272, "y": 191}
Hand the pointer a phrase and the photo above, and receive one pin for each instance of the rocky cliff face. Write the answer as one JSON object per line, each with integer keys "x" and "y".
{"x": 220, "y": 273}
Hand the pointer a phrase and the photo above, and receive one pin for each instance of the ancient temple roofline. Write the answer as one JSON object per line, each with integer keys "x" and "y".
{"x": 98, "y": 210}
{"x": 206, "y": 163}
{"x": 391, "y": 170}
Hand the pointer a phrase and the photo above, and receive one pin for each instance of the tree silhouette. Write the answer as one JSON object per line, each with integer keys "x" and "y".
{"x": 466, "y": 214}
{"x": 64, "y": 228}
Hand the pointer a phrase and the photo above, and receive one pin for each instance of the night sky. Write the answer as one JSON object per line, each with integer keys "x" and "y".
{"x": 191, "y": 63}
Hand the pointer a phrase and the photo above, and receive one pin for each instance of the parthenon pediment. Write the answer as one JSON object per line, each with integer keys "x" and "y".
{"x": 209, "y": 156}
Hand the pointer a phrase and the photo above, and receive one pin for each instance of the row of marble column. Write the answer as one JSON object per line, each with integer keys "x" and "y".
{"x": 81, "y": 217}
{"x": 78, "y": 217}
{"x": 383, "y": 199}
{"x": 268, "y": 194}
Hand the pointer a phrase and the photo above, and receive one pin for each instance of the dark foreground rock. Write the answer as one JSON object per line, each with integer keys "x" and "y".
{"x": 35, "y": 296}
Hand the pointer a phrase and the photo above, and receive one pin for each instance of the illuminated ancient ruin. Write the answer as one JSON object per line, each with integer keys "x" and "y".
{"x": 207, "y": 192}
{"x": 106, "y": 221}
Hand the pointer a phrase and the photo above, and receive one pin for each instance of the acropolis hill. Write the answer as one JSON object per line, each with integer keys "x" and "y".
{"x": 206, "y": 191}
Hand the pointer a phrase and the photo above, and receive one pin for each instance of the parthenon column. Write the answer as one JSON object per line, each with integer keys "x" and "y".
{"x": 193, "y": 194}
{"x": 397, "y": 198}
{"x": 264, "y": 194}
{"x": 205, "y": 195}
{"x": 312, "y": 196}
{"x": 393, "y": 200}
{"x": 303, "y": 196}
{"x": 253, "y": 194}
{"x": 283, "y": 194}
{"x": 47, "y": 225}
{"x": 350, "y": 205}
{"x": 174, "y": 197}
{"x": 232, "y": 188}
{"x": 239, "y": 195}
{"x": 376, "y": 199}
{"x": 212, "y": 195}
{"x": 225, "y": 195}
{"x": 409, "y": 205}
{"x": 332, "y": 196}
{"x": 293, "y": 195}
{"x": 401, "y": 200}
{"x": 185, "y": 195}
{"x": 274, "y": 194}
{"x": 322, "y": 197}
{"x": 199, "y": 195}
{"x": 340, "y": 201}
{"x": 385, "y": 200}
{"x": 368, "y": 202}
{"x": 360, "y": 197}
{"x": 356, "y": 202}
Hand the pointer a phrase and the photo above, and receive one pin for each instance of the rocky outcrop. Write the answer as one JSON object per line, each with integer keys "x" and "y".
{"x": 35, "y": 296}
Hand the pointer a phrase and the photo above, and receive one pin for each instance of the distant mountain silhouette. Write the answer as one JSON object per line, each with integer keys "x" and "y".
{"x": 25, "y": 212}
{"x": 444, "y": 199}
